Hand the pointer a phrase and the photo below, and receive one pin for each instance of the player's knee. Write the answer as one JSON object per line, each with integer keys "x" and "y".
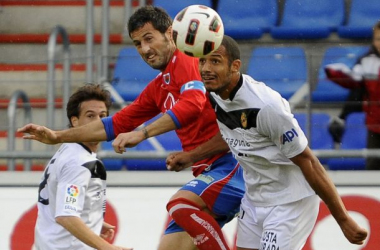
{"x": 177, "y": 204}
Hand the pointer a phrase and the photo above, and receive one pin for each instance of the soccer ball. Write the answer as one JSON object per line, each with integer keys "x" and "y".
{"x": 197, "y": 30}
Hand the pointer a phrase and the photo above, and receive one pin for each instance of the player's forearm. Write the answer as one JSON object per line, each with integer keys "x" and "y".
{"x": 322, "y": 184}
{"x": 91, "y": 132}
{"x": 78, "y": 229}
{"x": 162, "y": 125}
{"x": 210, "y": 148}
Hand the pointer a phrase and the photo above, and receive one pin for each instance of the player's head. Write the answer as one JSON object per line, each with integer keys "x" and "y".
{"x": 220, "y": 70}
{"x": 376, "y": 38}
{"x": 88, "y": 103}
{"x": 151, "y": 32}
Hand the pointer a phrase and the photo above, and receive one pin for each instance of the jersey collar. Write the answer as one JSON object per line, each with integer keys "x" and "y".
{"x": 237, "y": 87}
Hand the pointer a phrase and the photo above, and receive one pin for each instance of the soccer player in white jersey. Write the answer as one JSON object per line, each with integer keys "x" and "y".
{"x": 72, "y": 193}
{"x": 282, "y": 175}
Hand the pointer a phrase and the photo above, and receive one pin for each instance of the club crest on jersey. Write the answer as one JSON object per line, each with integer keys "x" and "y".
{"x": 166, "y": 78}
{"x": 288, "y": 136}
{"x": 243, "y": 120}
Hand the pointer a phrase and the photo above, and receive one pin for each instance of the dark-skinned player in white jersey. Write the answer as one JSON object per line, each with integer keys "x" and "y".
{"x": 283, "y": 177}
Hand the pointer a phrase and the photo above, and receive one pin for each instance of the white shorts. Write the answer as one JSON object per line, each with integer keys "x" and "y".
{"x": 284, "y": 227}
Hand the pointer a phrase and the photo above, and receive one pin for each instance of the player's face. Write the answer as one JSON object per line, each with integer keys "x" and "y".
{"x": 155, "y": 48}
{"x": 216, "y": 72}
{"x": 376, "y": 39}
{"x": 91, "y": 110}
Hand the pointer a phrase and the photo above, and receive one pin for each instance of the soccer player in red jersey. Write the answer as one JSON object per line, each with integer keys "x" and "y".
{"x": 202, "y": 206}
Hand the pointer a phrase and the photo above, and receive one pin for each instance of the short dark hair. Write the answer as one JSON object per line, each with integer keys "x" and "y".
{"x": 232, "y": 48}
{"x": 87, "y": 92}
{"x": 158, "y": 17}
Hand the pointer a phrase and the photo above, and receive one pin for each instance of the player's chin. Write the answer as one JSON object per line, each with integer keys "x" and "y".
{"x": 210, "y": 86}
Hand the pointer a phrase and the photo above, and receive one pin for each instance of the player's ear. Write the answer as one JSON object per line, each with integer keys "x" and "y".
{"x": 169, "y": 32}
{"x": 74, "y": 121}
{"x": 235, "y": 66}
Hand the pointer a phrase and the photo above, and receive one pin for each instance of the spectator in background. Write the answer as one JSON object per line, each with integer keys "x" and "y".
{"x": 72, "y": 192}
{"x": 365, "y": 74}
{"x": 354, "y": 103}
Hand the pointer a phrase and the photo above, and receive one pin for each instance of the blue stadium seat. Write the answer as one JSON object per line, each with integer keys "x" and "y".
{"x": 319, "y": 134}
{"x": 173, "y": 7}
{"x": 355, "y": 137}
{"x": 362, "y": 17}
{"x": 326, "y": 90}
{"x": 248, "y": 19}
{"x": 309, "y": 19}
{"x": 284, "y": 69}
{"x": 131, "y": 74}
{"x": 168, "y": 141}
{"x": 111, "y": 164}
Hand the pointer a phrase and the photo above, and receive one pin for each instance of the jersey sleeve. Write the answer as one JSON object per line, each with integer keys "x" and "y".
{"x": 344, "y": 76}
{"x": 133, "y": 115}
{"x": 71, "y": 190}
{"x": 190, "y": 105}
{"x": 192, "y": 99}
{"x": 276, "y": 122}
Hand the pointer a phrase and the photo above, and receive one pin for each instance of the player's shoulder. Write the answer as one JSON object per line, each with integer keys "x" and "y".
{"x": 74, "y": 154}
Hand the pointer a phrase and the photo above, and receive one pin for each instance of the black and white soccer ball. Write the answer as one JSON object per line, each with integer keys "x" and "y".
{"x": 197, "y": 30}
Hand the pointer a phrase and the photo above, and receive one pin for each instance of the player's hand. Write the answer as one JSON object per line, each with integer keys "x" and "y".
{"x": 108, "y": 231}
{"x": 127, "y": 140}
{"x": 39, "y": 133}
{"x": 353, "y": 232}
{"x": 179, "y": 161}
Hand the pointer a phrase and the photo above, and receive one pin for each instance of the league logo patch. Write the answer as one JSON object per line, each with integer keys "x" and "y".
{"x": 243, "y": 120}
{"x": 71, "y": 197}
{"x": 205, "y": 178}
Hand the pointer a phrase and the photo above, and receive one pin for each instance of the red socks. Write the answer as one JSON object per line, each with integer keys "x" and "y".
{"x": 201, "y": 226}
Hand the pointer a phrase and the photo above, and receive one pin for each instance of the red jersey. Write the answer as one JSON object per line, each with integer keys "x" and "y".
{"x": 177, "y": 92}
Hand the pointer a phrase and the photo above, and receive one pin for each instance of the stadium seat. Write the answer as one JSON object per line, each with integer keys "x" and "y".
{"x": 361, "y": 18}
{"x": 131, "y": 74}
{"x": 173, "y": 7}
{"x": 326, "y": 90}
{"x": 309, "y": 19}
{"x": 282, "y": 68}
{"x": 248, "y": 19}
{"x": 355, "y": 137}
{"x": 111, "y": 164}
{"x": 319, "y": 134}
{"x": 168, "y": 141}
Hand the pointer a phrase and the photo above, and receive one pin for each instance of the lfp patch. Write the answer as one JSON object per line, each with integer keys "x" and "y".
{"x": 71, "y": 197}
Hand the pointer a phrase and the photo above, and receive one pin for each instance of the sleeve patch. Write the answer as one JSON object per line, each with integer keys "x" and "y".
{"x": 193, "y": 85}
{"x": 71, "y": 197}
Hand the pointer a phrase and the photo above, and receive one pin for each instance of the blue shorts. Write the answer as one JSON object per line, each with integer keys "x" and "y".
{"x": 221, "y": 186}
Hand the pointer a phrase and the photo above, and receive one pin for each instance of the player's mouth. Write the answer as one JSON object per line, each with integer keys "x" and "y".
{"x": 150, "y": 57}
{"x": 208, "y": 78}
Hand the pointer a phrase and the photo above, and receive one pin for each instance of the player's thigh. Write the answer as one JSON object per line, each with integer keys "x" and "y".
{"x": 249, "y": 229}
{"x": 284, "y": 227}
{"x": 288, "y": 226}
{"x": 175, "y": 241}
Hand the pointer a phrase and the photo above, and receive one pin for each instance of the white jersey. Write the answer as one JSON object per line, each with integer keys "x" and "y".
{"x": 73, "y": 184}
{"x": 262, "y": 133}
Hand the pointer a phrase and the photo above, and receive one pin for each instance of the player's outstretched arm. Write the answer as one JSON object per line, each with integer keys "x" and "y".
{"x": 91, "y": 132}
{"x": 319, "y": 180}
{"x": 77, "y": 228}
